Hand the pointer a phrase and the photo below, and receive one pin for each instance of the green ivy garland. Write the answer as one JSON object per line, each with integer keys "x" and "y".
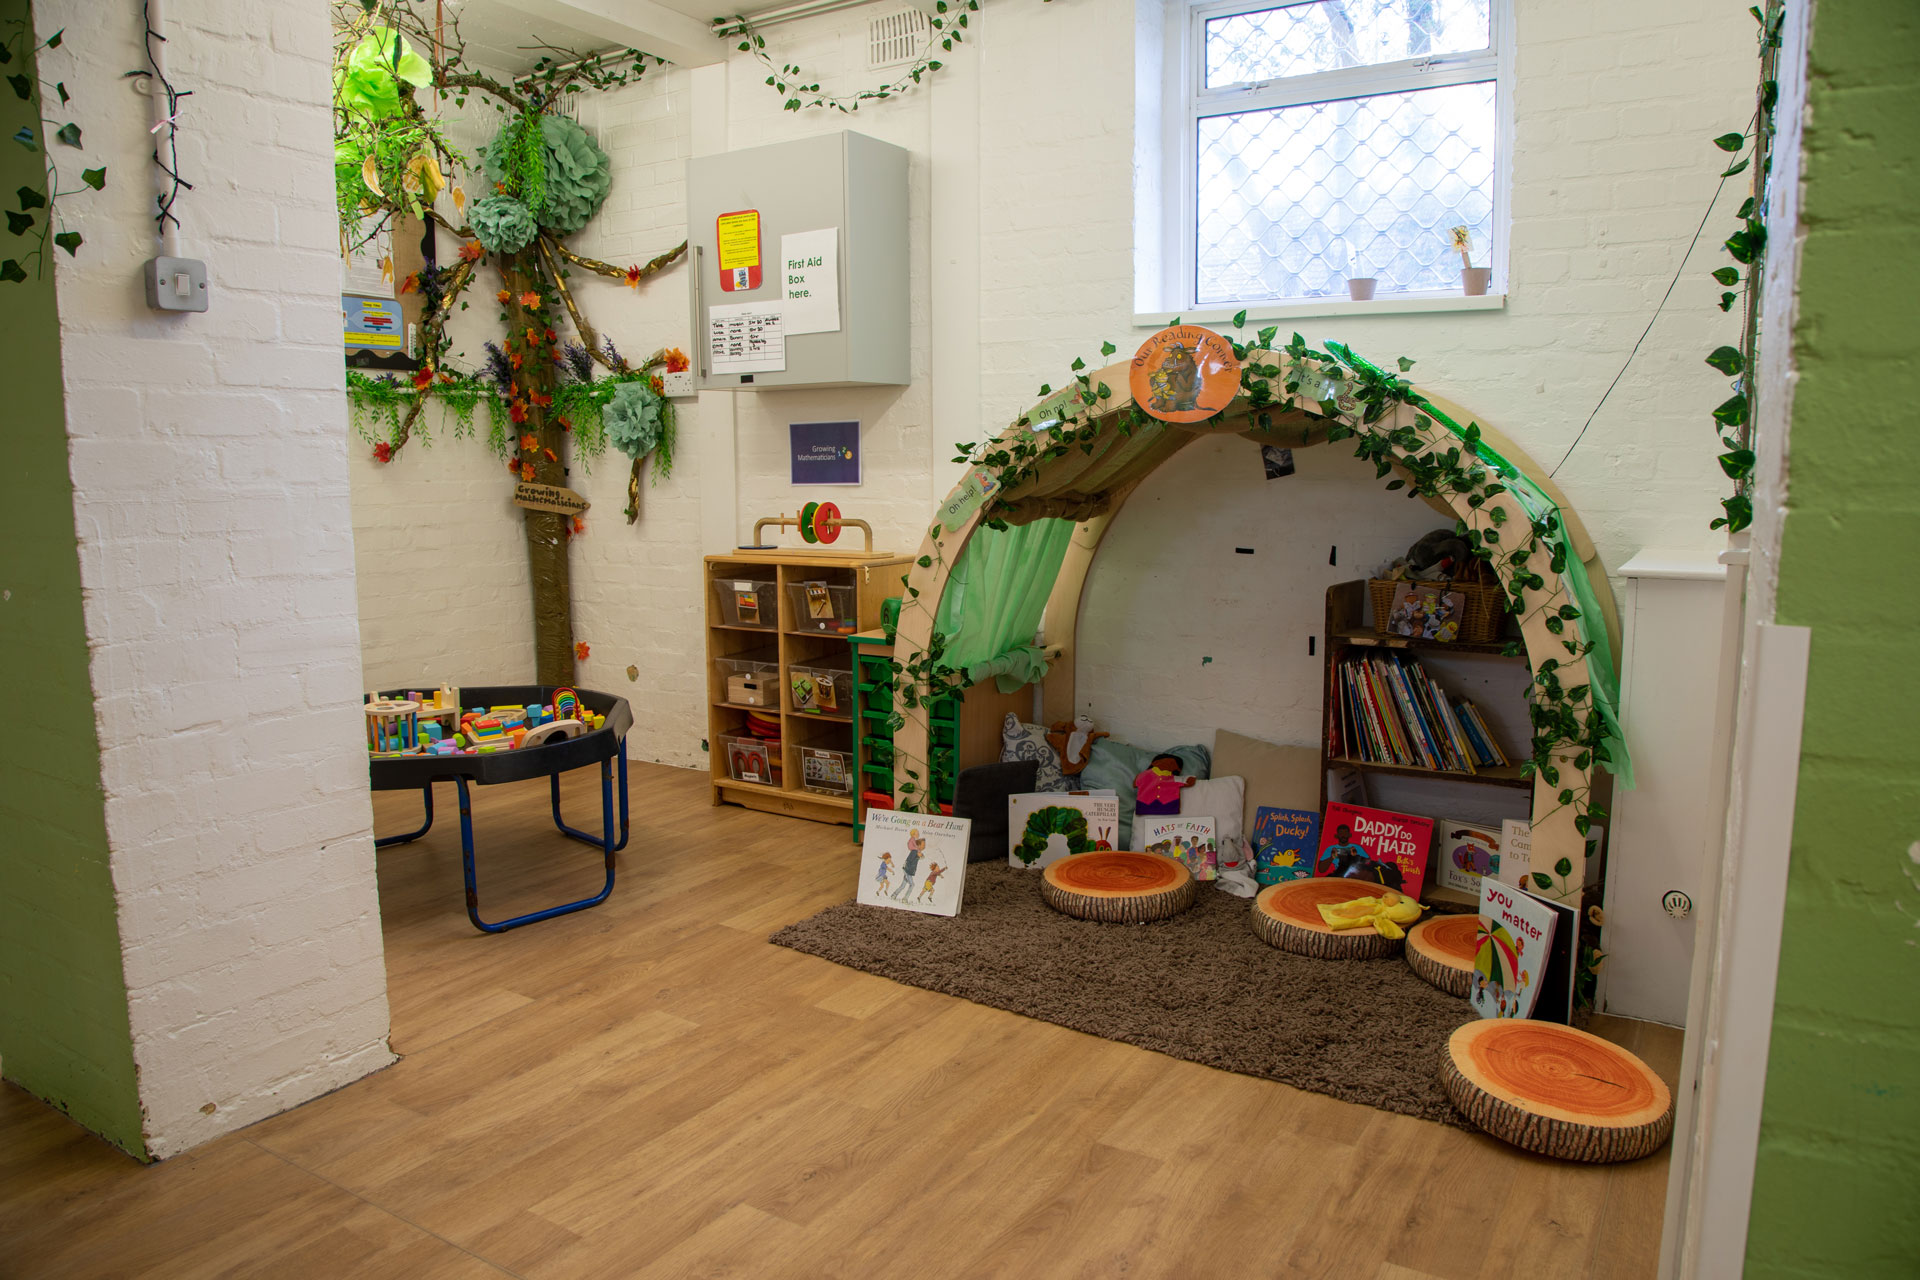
{"x": 949, "y": 24}
{"x": 38, "y": 208}
{"x": 1733, "y": 418}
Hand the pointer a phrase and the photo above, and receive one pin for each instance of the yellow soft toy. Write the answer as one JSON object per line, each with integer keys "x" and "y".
{"x": 1386, "y": 914}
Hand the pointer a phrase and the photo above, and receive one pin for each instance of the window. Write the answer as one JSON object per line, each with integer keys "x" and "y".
{"x": 1328, "y": 139}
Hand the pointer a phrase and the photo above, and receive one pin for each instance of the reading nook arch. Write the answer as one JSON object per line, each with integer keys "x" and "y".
{"x": 1077, "y": 454}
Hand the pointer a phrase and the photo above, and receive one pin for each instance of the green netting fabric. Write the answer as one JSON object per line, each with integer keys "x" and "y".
{"x": 994, "y": 598}
{"x": 1592, "y": 623}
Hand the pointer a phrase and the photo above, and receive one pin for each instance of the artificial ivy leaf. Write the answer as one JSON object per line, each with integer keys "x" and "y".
{"x": 1107, "y": 348}
{"x": 18, "y": 223}
{"x": 1405, "y": 364}
{"x": 69, "y": 134}
{"x": 68, "y": 240}
{"x": 31, "y": 199}
{"x": 1542, "y": 879}
{"x": 1732, "y": 412}
{"x": 1736, "y": 168}
{"x": 1737, "y": 464}
{"x": 1730, "y": 141}
{"x": 1564, "y": 866}
{"x": 1727, "y": 275}
{"x": 61, "y": 89}
{"x": 1078, "y": 364}
{"x": 95, "y": 178}
{"x": 1726, "y": 301}
{"x": 22, "y": 85}
{"x": 1728, "y": 360}
{"x": 6, "y": 55}
{"x": 1240, "y": 320}
{"x": 11, "y": 272}
{"x": 53, "y": 41}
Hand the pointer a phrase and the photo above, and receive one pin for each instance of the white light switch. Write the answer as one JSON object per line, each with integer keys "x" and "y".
{"x": 176, "y": 284}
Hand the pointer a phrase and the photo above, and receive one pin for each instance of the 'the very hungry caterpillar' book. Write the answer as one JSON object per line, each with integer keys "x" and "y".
{"x": 1284, "y": 843}
{"x": 1376, "y": 845}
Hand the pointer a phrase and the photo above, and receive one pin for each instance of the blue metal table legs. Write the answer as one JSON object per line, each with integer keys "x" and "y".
{"x": 605, "y": 842}
{"x": 426, "y": 796}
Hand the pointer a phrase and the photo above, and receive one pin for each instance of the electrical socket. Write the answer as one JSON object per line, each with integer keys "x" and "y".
{"x": 176, "y": 284}
{"x": 677, "y": 384}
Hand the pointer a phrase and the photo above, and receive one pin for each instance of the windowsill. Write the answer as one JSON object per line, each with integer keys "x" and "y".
{"x": 1399, "y": 305}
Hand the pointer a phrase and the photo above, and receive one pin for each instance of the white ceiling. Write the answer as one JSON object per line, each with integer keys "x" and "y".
{"x": 504, "y": 37}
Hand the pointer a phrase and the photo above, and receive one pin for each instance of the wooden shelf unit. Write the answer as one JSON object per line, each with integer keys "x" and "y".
{"x": 1347, "y": 628}
{"x": 871, "y": 579}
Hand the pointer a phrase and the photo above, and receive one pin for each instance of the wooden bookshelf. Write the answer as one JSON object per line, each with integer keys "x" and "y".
{"x": 784, "y": 642}
{"x": 1346, "y": 628}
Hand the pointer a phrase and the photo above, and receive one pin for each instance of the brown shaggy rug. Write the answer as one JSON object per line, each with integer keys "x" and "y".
{"x": 1199, "y": 986}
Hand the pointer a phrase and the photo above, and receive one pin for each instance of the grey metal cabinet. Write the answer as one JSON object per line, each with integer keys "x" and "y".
{"x": 839, "y": 180}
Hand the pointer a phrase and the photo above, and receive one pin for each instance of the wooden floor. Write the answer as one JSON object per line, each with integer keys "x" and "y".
{"x": 649, "y": 1089}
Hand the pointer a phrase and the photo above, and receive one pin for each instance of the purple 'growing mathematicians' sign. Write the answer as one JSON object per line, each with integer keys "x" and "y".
{"x": 826, "y": 452}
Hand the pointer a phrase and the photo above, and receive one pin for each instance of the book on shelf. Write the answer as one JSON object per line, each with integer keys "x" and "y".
{"x": 1523, "y": 955}
{"x": 1284, "y": 842}
{"x": 1375, "y": 845}
{"x": 1392, "y": 711}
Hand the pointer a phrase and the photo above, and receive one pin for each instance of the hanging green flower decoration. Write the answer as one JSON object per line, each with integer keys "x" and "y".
{"x": 635, "y": 417}
{"x": 369, "y": 82}
{"x": 564, "y": 179}
{"x": 504, "y": 224}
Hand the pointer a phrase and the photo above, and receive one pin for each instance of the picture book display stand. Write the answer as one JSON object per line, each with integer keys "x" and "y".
{"x": 603, "y": 746}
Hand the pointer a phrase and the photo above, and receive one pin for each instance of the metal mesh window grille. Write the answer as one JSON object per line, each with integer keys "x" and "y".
{"x": 1302, "y": 39}
{"x": 1295, "y": 200}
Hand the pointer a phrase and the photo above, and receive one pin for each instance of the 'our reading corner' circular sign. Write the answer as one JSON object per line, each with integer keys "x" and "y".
{"x": 1184, "y": 374}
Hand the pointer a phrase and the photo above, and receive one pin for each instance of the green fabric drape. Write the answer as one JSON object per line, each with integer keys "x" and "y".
{"x": 994, "y": 598}
{"x": 1591, "y": 624}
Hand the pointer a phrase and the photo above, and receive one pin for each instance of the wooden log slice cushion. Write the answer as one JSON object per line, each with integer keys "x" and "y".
{"x": 1556, "y": 1091}
{"x": 1287, "y": 916}
{"x": 1117, "y": 887}
{"x": 1440, "y": 950}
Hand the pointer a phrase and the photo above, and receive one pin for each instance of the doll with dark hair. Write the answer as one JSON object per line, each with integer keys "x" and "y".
{"x": 1158, "y": 786}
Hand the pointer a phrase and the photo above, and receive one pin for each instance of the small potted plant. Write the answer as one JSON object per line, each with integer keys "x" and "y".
{"x": 1473, "y": 280}
{"x": 1359, "y": 288}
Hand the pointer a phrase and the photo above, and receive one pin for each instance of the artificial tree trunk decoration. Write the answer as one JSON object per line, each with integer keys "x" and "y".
{"x": 545, "y": 178}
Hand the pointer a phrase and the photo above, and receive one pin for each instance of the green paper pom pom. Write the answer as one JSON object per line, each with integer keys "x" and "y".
{"x": 504, "y": 224}
{"x": 577, "y": 173}
{"x": 633, "y": 418}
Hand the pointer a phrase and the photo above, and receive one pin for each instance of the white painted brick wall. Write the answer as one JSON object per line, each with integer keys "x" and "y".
{"x": 211, "y": 498}
{"x": 1612, "y": 171}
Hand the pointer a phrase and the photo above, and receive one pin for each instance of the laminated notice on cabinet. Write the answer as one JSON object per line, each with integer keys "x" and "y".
{"x": 810, "y": 266}
{"x": 746, "y": 337}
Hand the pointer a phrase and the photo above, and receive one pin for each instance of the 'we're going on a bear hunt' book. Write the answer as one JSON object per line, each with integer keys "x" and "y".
{"x": 1375, "y": 845}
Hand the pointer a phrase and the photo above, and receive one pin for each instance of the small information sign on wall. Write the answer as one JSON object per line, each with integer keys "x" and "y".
{"x": 826, "y": 452}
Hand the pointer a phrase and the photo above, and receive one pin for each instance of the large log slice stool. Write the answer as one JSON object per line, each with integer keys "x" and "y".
{"x": 1556, "y": 1091}
{"x": 1117, "y": 887}
{"x": 1287, "y": 916}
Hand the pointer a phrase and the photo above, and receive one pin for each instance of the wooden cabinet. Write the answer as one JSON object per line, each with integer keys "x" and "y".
{"x": 778, "y": 624}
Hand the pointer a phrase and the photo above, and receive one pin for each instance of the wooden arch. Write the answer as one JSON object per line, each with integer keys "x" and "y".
{"x": 1095, "y": 504}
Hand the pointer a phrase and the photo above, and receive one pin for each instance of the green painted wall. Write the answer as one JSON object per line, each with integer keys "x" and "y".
{"x": 1837, "y": 1187}
{"x": 63, "y": 994}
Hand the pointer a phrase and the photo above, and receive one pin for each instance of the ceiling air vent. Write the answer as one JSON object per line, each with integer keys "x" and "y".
{"x": 896, "y": 39}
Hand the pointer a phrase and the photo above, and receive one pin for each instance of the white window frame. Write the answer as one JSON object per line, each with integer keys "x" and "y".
{"x": 1188, "y": 100}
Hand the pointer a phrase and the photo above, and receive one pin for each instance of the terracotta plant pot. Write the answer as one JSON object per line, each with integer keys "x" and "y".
{"x": 1474, "y": 280}
{"x": 1361, "y": 289}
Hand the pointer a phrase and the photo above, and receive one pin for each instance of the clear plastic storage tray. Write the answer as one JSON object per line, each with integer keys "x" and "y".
{"x": 822, "y": 606}
{"x": 752, "y": 760}
{"x": 748, "y": 602}
{"x": 826, "y": 771}
{"x": 749, "y": 680}
{"x": 820, "y": 689}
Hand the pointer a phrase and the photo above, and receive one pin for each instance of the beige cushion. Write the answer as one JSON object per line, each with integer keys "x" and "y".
{"x": 1284, "y": 777}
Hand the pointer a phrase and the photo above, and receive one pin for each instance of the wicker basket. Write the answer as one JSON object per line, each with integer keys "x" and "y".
{"x": 1479, "y": 621}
